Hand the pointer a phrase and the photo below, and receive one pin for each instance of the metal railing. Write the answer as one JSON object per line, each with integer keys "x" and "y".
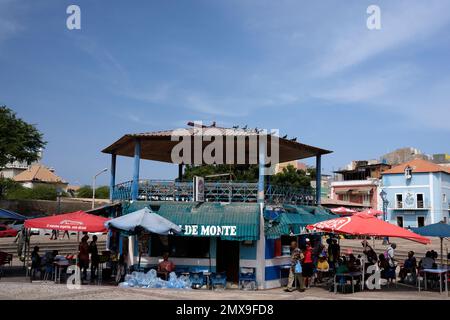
{"x": 169, "y": 190}
{"x": 418, "y": 205}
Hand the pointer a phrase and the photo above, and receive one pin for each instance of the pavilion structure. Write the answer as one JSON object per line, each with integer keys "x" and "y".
{"x": 230, "y": 210}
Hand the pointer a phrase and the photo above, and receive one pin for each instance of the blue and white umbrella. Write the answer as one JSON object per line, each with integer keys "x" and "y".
{"x": 440, "y": 229}
{"x": 143, "y": 219}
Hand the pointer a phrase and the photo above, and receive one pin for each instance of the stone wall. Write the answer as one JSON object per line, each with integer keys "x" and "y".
{"x": 44, "y": 207}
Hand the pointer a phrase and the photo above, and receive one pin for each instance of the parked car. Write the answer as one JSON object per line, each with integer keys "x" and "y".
{"x": 18, "y": 226}
{"x": 6, "y": 231}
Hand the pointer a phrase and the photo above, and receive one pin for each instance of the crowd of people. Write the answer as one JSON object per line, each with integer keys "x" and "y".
{"x": 312, "y": 261}
{"x": 87, "y": 254}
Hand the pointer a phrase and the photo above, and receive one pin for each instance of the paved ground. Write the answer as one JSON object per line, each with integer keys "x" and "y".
{"x": 18, "y": 289}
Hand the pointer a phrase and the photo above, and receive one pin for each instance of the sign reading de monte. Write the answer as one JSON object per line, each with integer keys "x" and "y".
{"x": 208, "y": 230}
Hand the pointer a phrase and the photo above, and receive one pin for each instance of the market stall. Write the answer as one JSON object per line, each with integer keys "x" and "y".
{"x": 78, "y": 221}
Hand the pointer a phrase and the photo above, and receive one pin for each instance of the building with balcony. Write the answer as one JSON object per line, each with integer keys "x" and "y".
{"x": 418, "y": 193}
{"x": 228, "y": 225}
{"x": 359, "y": 183}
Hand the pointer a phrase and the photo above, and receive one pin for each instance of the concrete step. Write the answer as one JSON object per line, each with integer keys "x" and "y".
{"x": 63, "y": 248}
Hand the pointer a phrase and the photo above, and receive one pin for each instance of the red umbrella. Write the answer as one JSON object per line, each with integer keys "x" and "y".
{"x": 365, "y": 225}
{"x": 79, "y": 221}
{"x": 372, "y": 212}
{"x": 343, "y": 211}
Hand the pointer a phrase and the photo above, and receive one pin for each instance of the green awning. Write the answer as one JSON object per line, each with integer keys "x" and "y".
{"x": 295, "y": 219}
{"x": 229, "y": 221}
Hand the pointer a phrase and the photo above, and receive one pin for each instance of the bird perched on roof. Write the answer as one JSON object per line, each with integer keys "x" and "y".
{"x": 235, "y": 127}
{"x": 294, "y": 139}
{"x": 245, "y": 127}
{"x": 284, "y": 137}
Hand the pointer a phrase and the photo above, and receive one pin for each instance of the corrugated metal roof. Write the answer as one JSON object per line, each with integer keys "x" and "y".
{"x": 158, "y": 145}
{"x": 245, "y": 216}
{"x": 295, "y": 219}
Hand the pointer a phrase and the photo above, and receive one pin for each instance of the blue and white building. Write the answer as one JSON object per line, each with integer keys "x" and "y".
{"x": 418, "y": 193}
{"x": 229, "y": 226}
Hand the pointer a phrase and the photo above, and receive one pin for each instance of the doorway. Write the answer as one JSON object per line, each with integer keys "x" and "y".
{"x": 227, "y": 259}
{"x": 400, "y": 221}
{"x": 420, "y": 221}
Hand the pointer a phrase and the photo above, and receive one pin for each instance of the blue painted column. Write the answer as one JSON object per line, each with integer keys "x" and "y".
{"x": 112, "y": 181}
{"x": 261, "y": 162}
{"x": 318, "y": 178}
{"x": 137, "y": 160}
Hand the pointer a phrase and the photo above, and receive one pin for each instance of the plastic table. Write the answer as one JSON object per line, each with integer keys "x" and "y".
{"x": 352, "y": 275}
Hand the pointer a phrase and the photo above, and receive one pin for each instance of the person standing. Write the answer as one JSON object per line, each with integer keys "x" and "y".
{"x": 296, "y": 257}
{"x": 308, "y": 266}
{"x": 334, "y": 252}
{"x": 64, "y": 235}
{"x": 54, "y": 235}
{"x": 95, "y": 258}
{"x": 83, "y": 256}
{"x": 35, "y": 262}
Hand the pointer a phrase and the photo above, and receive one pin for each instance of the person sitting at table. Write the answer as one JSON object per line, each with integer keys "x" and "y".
{"x": 352, "y": 264}
{"x": 322, "y": 267}
{"x": 386, "y": 271}
{"x": 409, "y": 266}
{"x": 47, "y": 261}
{"x": 166, "y": 266}
{"x": 341, "y": 268}
{"x": 427, "y": 262}
{"x": 35, "y": 262}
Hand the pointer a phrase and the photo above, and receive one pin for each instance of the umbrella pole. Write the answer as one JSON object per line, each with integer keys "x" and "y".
{"x": 442, "y": 252}
{"x": 364, "y": 262}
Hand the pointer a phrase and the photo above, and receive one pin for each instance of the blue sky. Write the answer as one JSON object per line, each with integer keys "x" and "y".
{"x": 311, "y": 69}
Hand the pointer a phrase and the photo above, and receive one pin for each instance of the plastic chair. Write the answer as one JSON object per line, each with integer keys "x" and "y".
{"x": 48, "y": 272}
{"x": 218, "y": 279}
{"x": 247, "y": 276}
{"x": 197, "y": 279}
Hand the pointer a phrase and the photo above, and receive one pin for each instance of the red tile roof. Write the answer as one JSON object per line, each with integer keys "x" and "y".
{"x": 418, "y": 165}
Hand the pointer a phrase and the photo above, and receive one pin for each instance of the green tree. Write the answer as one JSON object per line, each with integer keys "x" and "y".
{"x": 19, "y": 141}
{"x": 290, "y": 176}
{"x": 247, "y": 173}
{"x": 43, "y": 192}
{"x": 40, "y": 192}
{"x": 102, "y": 192}
{"x": 84, "y": 192}
{"x": 9, "y": 186}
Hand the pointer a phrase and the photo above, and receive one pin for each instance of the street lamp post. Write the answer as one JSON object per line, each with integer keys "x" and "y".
{"x": 93, "y": 186}
{"x": 383, "y": 196}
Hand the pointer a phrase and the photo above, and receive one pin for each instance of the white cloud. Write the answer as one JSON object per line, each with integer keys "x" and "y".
{"x": 402, "y": 22}
{"x": 369, "y": 87}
